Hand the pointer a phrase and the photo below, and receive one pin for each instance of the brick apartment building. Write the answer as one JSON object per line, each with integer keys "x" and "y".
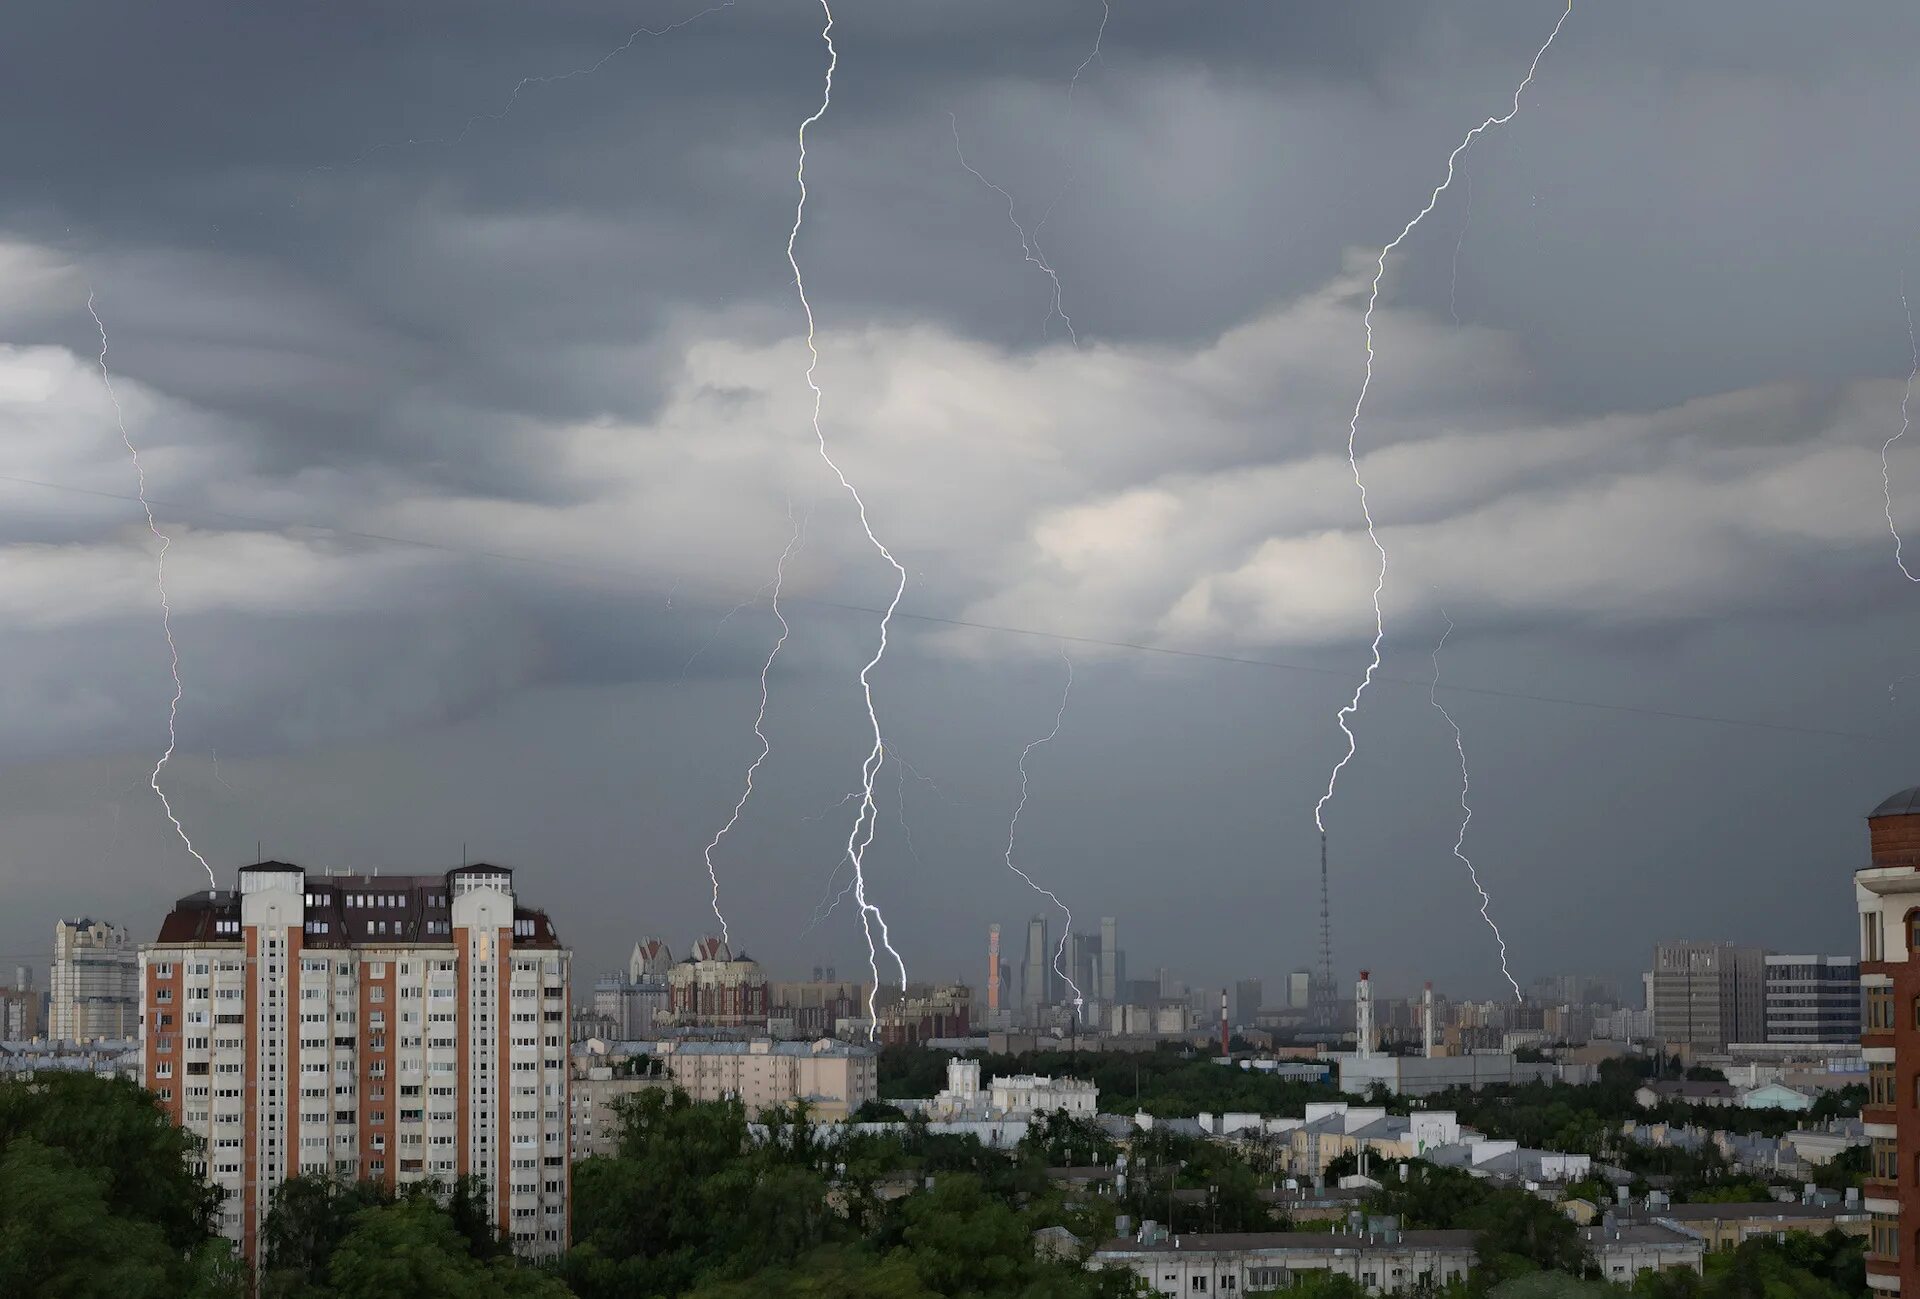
{"x": 366, "y": 1027}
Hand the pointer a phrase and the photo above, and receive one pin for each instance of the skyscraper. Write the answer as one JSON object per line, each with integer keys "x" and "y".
{"x": 1036, "y": 973}
{"x": 96, "y": 982}
{"x": 365, "y": 1028}
{"x": 1246, "y": 1001}
{"x": 1110, "y": 972}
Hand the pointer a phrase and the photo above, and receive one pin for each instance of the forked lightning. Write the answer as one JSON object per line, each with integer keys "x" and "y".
{"x": 866, "y": 820}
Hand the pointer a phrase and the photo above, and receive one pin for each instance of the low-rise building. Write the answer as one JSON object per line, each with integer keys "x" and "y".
{"x": 1623, "y": 1250}
{"x": 1387, "y": 1261}
{"x": 1723, "y": 1226}
{"x": 593, "y": 1119}
{"x": 1424, "y": 1075}
{"x": 834, "y": 1078}
{"x": 1685, "y": 1092}
{"x": 1019, "y": 1096}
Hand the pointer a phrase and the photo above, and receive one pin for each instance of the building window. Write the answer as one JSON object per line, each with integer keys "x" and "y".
{"x": 1884, "y": 1237}
{"x": 1885, "y": 1159}
{"x": 1199, "y": 1285}
{"x": 1879, "y": 999}
{"x": 1880, "y": 1084}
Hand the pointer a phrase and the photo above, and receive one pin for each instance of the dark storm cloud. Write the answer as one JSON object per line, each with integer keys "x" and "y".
{"x": 560, "y": 346}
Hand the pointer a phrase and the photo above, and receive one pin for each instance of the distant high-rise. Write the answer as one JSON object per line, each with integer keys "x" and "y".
{"x": 1246, "y": 1001}
{"x": 993, "y": 967}
{"x": 96, "y": 982}
{"x": 1036, "y": 974}
{"x": 1110, "y": 974}
{"x": 1300, "y": 990}
{"x": 1706, "y": 995}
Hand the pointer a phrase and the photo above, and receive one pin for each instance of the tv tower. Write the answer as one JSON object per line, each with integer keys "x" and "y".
{"x": 1323, "y": 996}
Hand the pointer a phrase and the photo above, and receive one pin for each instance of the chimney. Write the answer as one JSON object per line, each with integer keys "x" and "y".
{"x": 1426, "y": 1017}
{"x": 1226, "y": 1038}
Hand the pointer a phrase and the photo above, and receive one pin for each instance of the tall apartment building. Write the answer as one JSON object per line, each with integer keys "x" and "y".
{"x": 1706, "y": 995}
{"x": 1813, "y": 999}
{"x": 365, "y": 1027}
{"x": 1887, "y": 895}
{"x": 1246, "y": 1001}
{"x": 96, "y": 982}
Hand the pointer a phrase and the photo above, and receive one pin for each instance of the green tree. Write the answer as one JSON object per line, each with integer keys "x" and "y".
{"x": 413, "y": 1248}
{"x": 59, "y": 1237}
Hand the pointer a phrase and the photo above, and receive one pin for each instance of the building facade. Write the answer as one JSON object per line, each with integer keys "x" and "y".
{"x": 628, "y": 1005}
{"x": 1036, "y": 972}
{"x": 96, "y": 982}
{"x": 833, "y": 1078}
{"x": 372, "y": 1028}
{"x": 714, "y": 989}
{"x": 1813, "y": 999}
{"x": 1887, "y": 896}
{"x": 1706, "y": 995}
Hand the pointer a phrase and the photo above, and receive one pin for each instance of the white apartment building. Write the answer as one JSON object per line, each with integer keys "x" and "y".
{"x": 96, "y": 982}
{"x": 364, "y": 1027}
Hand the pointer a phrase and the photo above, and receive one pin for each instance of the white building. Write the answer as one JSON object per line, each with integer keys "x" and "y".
{"x": 1019, "y": 1096}
{"x": 1624, "y": 1250}
{"x": 389, "y": 1029}
{"x": 1385, "y": 1262}
{"x": 96, "y": 982}
{"x": 1424, "y": 1075}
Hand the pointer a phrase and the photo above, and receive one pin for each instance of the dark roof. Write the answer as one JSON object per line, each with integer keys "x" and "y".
{"x": 274, "y": 866}
{"x": 1905, "y": 803}
{"x": 1751, "y": 1209}
{"x": 192, "y": 918}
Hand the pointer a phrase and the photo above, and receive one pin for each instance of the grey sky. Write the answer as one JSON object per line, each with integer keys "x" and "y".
{"x": 560, "y": 344}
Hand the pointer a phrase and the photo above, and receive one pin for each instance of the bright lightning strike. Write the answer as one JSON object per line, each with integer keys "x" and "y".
{"x": 1029, "y": 246}
{"x": 1013, "y": 828}
{"x": 1886, "y": 474}
{"x": 160, "y": 581}
{"x": 1466, "y": 809}
{"x": 1353, "y": 425}
{"x": 866, "y": 820}
{"x": 766, "y": 746}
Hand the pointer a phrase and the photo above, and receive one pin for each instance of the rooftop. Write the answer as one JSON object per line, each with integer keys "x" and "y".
{"x": 1904, "y": 803}
{"x": 1315, "y": 1242}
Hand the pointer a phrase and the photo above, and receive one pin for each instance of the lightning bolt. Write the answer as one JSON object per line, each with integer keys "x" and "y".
{"x": 1453, "y": 284}
{"x": 1353, "y": 425}
{"x": 160, "y": 581}
{"x": 1030, "y": 242}
{"x": 1013, "y": 828}
{"x": 766, "y": 746}
{"x": 1886, "y": 474}
{"x": 1466, "y": 809}
{"x": 1029, "y": 246}
{"x": 866, "y": 820}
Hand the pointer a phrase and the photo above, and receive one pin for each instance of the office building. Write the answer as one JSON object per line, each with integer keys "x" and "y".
{"x": 366, "y": 1028}
{"x": 1113, "y": 966}
{"x": 1813, "y": 999}
{"x": 1036, "y": 972}
{"x": 1887, "y": 896}
{"x": 96, "y": 982}
{"x": 1246, "y": 1001}
{"x": 1300, "y": 990}
{"x": 1706, "y": 995}
{"x": 21, "y": 1007}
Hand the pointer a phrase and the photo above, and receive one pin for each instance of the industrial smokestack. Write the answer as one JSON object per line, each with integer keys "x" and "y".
{"x": 1426, "y": 1017}
{"x": 993, "y": 967}
{"x": 1226, "y": 1038}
